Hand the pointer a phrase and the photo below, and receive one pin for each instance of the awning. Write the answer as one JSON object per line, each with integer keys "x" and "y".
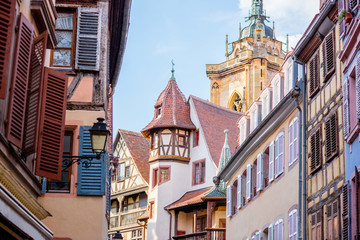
{"x": 188, "y": 199}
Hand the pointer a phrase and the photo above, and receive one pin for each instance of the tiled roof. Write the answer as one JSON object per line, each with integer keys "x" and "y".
{"x": 218, "y": 192}
{"x": 175, "y": 111}
{"x": 189, "y": 198}
{"x": 214, "y": 120}
{"x": 139, "y": 150}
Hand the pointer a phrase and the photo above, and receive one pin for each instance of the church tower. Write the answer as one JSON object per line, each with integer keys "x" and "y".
{"x": 251, "y": 62}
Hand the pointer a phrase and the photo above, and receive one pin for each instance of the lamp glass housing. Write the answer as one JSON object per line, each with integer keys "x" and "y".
{"x": 99, "y": 133}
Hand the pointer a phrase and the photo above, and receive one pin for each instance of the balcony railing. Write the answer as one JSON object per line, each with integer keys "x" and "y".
{"x": 214, "y": 233}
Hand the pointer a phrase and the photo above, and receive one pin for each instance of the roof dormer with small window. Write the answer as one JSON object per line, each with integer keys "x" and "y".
{"x": 266, "y": 98}
{"x": 277, "y": 84}
{"x": 244, "y": 126}
{"x": 255, "y": 115}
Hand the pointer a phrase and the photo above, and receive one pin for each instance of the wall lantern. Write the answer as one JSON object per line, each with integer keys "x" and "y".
{"x": 117, "y": 236}
{"x": 98, "y": 135}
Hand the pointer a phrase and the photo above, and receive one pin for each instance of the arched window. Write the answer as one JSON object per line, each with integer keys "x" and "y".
{"x": 235, "y": 102}
{"x": 215, "y": 93}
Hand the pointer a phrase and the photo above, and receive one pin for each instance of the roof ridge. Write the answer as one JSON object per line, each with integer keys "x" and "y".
{"x": 130, "y": 132}
{"x": 216, "y": 106}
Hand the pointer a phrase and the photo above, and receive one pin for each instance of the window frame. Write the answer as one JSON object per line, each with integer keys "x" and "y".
{"x": 279, "y": 164}
{"x": 73, "y": 11}
{"x": 314, "y": 74}
{"x": 168, "y": 174}
{"x": 318, "y": 150}
{"x": 293, "y": 141}
{"x": 330, "y": 219}
{"x": 196, "y": 138}
{"x": 331, "y": 140}
{"x": 317, "y": 224}
{"x": 202, "y": 172}
{"x": 121, "y": 172}
{"x": 293, "y": 225}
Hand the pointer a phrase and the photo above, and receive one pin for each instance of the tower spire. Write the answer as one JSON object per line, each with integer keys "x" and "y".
{"x": 227, "y": 42}
{"x": 287, "y": 42}
{"x": 172, "y": 69}
{"x": 240, "y": 30}
{"x": 225, "y": 153}
{"x": 273, "y": 29}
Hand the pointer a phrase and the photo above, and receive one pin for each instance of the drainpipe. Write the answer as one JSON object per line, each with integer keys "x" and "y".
{"x": 170, "y": 224}
{"x": 296, "y": 94}
{"x": 304, "y": 152}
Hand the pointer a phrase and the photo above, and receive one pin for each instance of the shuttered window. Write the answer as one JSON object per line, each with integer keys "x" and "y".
{"x": 331, "y": 138}
{"x": 239, "y": 198}
{"x": 271, "y": 161}
{"x": 279, "y": 230}
{"x": 333, "y": 220}
{"x": 279, "y": 154}
{"x": 259, "y": 172}
{"x": 314, "y": 75}
{"x": 293, "y": 141}
{"x": 87, "y": 42}
{"x": 63, "y": 54}
{"x": 229, "y": 201}
{"x": 316, "y": 225}
{"x": 270, "y": 232}
{"x": 345, "y": 212}
{"x": 329, "y": 55}
{"x": 248, "y": 182}
{"x": 19, "y": 85}
{"x": 315, "y": 140}
{"x": 91, "y": 181}
{"x": 52, "y": 125}
{"x": 293, "y": 225}
{"x": 35, "y": 88}
{"x": 353, "y": 4}
{"x": 7, "y": 13}
{"x": 342, "y": 26}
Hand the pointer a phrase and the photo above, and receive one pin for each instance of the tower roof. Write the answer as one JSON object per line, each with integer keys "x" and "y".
{"x": 257, "y": 14}
{"x": 171, "y": 110}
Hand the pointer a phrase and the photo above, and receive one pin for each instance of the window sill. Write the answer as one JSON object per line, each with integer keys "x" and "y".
{"x": 353, "y": 134}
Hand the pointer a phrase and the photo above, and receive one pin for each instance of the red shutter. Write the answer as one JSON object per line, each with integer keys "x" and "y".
{"x": 52, "y": 125}
{"x": 346, "y": 111}
{"x": 7, "y": 15}
{"x": 34, "y": 94}
{"x": 18, "y": 90}
{"x": 357, "y": 81}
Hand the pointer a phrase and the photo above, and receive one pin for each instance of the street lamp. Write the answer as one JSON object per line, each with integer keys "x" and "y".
{"x": 98, "y": 135}
{"x": 117, "y": 236}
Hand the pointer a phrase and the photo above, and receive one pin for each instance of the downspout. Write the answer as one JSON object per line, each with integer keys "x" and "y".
{"x": 304, "y": 152}
{"x": 296, "y": 93}
{"x": 170, "y": 224}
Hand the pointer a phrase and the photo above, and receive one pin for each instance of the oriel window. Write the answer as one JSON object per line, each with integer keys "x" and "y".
{"x": 164, "y": 174}
{"x": 63, "y": 54}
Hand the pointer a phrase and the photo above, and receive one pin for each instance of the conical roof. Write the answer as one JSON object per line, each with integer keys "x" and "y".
{"x": 171, "y": 110}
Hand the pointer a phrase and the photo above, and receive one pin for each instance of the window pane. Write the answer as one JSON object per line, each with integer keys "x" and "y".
{"x": 67, "y": 143}
{"x": 164, "y": 174}
{"x": 65, "y": 21}
{"x": 64, "y": 39}
{"x": 62, "y": 57}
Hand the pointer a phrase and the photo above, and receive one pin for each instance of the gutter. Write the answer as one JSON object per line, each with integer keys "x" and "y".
{"x": 313, "y": 29}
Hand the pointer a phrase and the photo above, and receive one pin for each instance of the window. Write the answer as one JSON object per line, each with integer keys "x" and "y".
{"x": 154, "y": 141}
{"x": 314, "y": 75}
{"x": 63, "y": 54}
{"x": 133, "y": 234}
{"x": 229, "y": 201}
{"x": 64, "y": 184}
{"x": 288, "y": 79}
{"x": 248, "y": 182}
{"x": 265, "y": 170}
{"x": 333, "y": 220}
{"x": 293, "y": 225}
{"x": 196, "y": 138}
{"x": 158, "y": 111}
{"x": 316, "y": 225}
{"x": 279, "y": 154}
{"x": 198, "y": 172}
{"x": 329, "y": 55}
{"x": 244, "y": 125}
{"x": 155, "y": 177}
{"x": 331, "y": 137}
{"x": 200, "y": 223}
{"x": 140, "y": 233}
{"x": 164, "y": 175}
{"x": 151, "y": 209}
{"x": 181, "y": 140}
{"x": 114, "y": 206}
{"x": 316, "y": 160}
{"x": 293, "y": 141}
{"x": 234, "y": 197}
{"x": 271, "y": 161}
{"x": 279, "y": 230}
{"x": 259, "y": 172}
{"x": 127, "y": 172}
{"x": 239, "y": 192}
{"x": 121, "y": 172}
{"x": 215, "y": 93}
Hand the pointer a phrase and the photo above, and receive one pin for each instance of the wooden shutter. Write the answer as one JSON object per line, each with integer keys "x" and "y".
{"x": 276, "y": 157}
{"x": 7, "y": 17}
{"x": 271, "y": 161}
{"x": 296, "y": 139}
{"x": 346, "y": 110}
{"x": 34, "y": 94}
{"x": 18, "y": 90}
{"x": 331, "y": 138}
{"x": 239, "y": 202}
{"x": 315, "y": 140}
{"x": 329, "y": 54}
{"x": 345, "y": 212}
{"x": 229, "y": 201}
{"x": 91, "y": 181}
{"x": 291, "y": 142}
{"x": 52, "y": 125}
{"x": 281, "y": 153}
{"x": 314, "y": 75}
{"x": 248, "y": 182}
{"x": 270, "y": 232}
{"x": 357, "y": 81}
{"x": 259, "y": 172}
{"x": 353, "y": 5}
{"x": 88, "y": 42}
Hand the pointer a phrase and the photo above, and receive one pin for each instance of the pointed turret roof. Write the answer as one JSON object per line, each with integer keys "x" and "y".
{"x": 225, "y": 153}
{"x": 174, "y": 110}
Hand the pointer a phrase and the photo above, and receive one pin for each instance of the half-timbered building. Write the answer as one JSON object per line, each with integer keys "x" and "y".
{"x": 186, "y": 139}
{"x": 130, "y": 184}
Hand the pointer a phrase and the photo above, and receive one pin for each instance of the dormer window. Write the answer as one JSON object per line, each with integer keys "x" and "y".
{"x": 154, "y": 141}
{"x": 158, "y": 111}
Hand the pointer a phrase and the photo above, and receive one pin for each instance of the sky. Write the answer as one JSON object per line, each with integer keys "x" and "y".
{"x": 192, "y": 33}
